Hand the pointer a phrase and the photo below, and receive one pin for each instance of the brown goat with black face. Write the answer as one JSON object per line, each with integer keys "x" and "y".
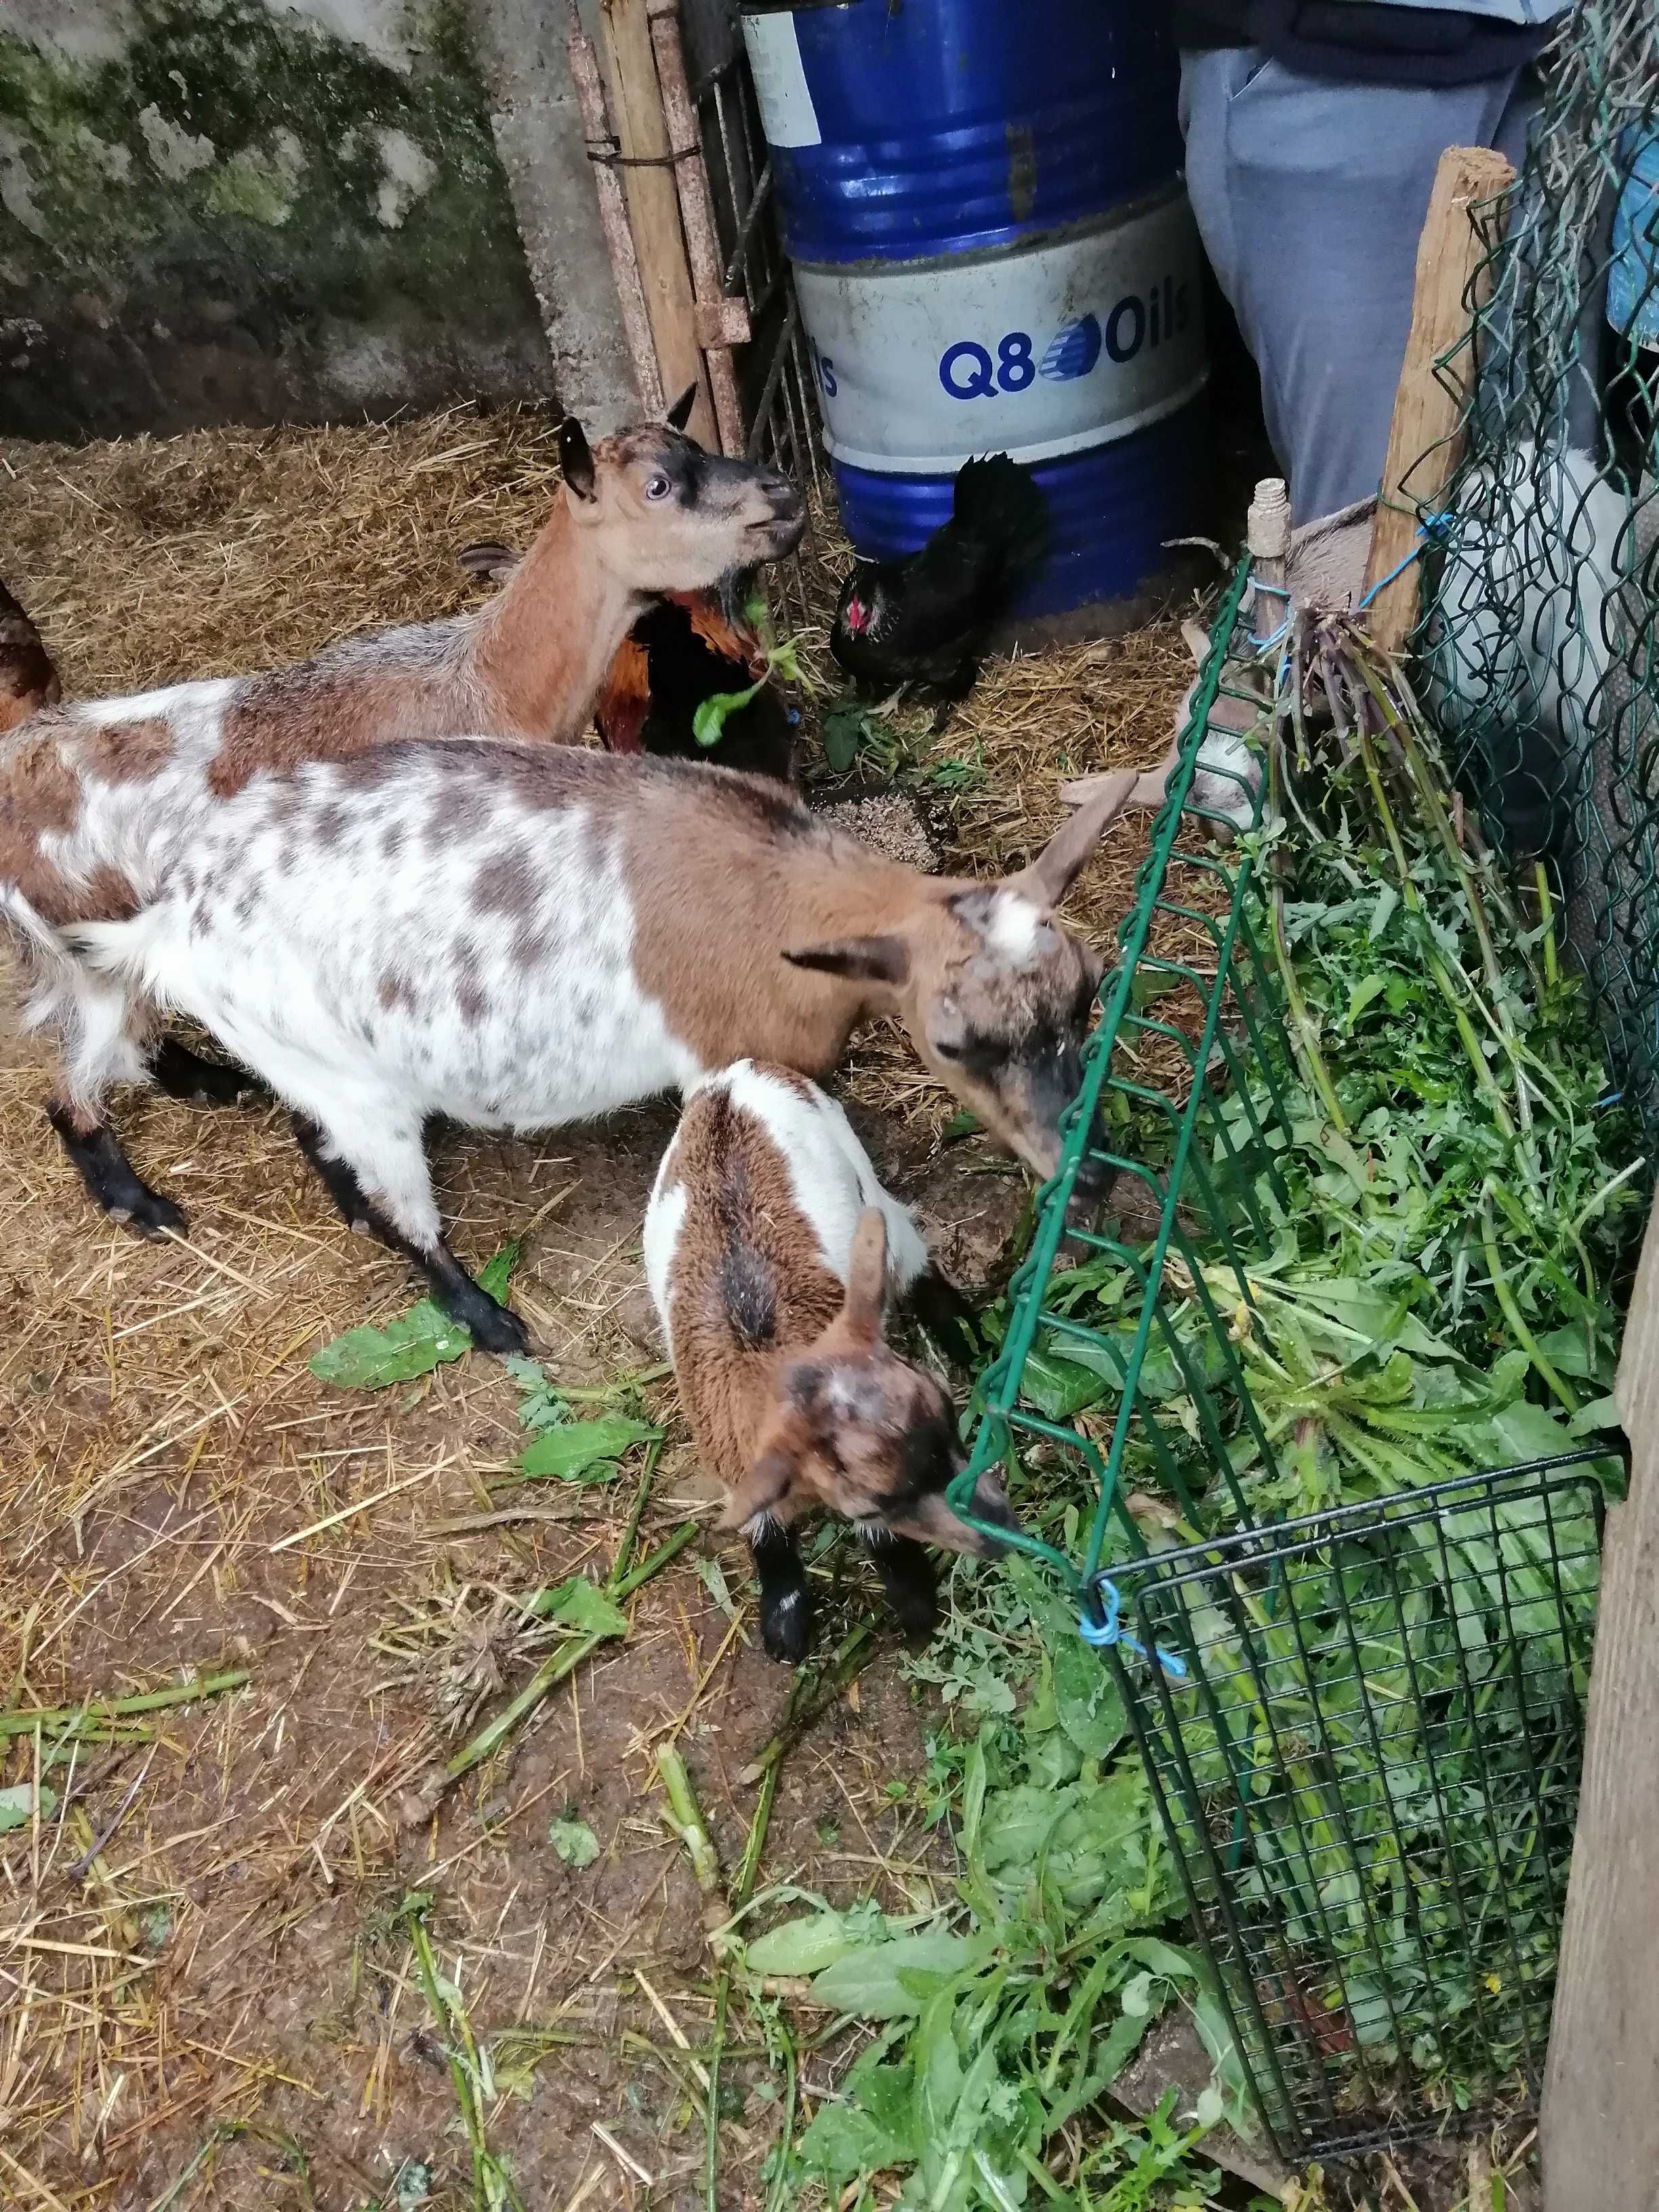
{"x": 642, "y": 512}
{"x": 771, "y": 1250}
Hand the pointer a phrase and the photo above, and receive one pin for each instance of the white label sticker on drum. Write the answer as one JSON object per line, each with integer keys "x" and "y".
{"x": 1037, "y": 351}
{"x": 787, "y": 115}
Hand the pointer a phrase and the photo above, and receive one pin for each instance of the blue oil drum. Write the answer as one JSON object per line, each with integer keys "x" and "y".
{"x": 982, "y": 200}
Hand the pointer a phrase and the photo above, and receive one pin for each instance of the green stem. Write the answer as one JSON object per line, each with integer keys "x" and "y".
{"x": 1428, "y": 798}
{"x": 1511, "y": 1312}
{"x": 854, "y": 1656}
{"x": 1595, "y": 1204}
{"x": 463, "y": 2068}
{"x": 1305, "y": 1028}
{"x": 1546, "y": 916}
{"x": 748, "y": 1873}
{"x": 98, "y": 1710}
{"x": 1437, "y": 967}
{"x": 687, "y": 1823}
{"x": 625, "y": 1549}
{"x": 554, "y": 1670}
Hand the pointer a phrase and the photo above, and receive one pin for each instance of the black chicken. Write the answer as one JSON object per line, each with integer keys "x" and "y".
{"x": 922, "y": 621}
{"x": 685, "y": 647}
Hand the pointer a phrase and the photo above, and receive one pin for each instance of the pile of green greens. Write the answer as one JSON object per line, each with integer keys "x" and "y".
{"x": 1003, "y": 2017}
{"x": 1397, "y": 1251}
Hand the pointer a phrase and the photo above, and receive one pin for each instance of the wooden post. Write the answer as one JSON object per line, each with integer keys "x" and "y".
{"x": 1425, "y": 436}
{"x": 613, "y": 217}
{"x": 1599, "y": 2129}
{"x": 722, "y": 322}
{"x": 654, "y": 207}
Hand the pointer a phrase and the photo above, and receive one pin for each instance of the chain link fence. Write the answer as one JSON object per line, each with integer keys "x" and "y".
{"x": 1540, "y": 628}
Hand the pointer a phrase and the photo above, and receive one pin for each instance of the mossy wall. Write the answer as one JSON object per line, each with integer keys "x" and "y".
{"x": 220, "y": 211}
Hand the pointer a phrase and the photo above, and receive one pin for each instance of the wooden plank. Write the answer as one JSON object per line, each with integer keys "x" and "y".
{"x": 613, "y": 216}
{"x": 697, "y": 217}
{"x": 1425, "y": 434}
{"x": 1599, "y": 2128}
{"x": 653, "y": 206}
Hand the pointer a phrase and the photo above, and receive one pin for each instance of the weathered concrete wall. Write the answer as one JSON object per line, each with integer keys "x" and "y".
{"x": 538, "y": 132}
{"x": 272, "y": 209}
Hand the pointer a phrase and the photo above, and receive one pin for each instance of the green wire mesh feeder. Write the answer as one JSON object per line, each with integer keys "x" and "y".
{"x": 1361, "y": 1722}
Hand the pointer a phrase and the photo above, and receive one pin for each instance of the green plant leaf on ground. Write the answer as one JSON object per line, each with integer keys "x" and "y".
{"x": 369, "y": 1358}
{"x": 17, "y": 1805}
{"x": 891, "y": 1977}
{"x": 988, "y": 2048}
{"x": 584, "y": 1452}
{"x": 580, "y": 1605}
{"x": 542, "y": 1404}
{"x": 850, "y": 729}
{"x": 806, "y": 1945}
{"x": 575, "y": 1842}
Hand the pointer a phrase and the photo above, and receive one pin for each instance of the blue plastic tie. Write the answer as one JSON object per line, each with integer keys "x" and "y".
{"x": 1108, "y": 1629}
{"x": 1279, "y": 592}
{"x": 1431, "y": 527}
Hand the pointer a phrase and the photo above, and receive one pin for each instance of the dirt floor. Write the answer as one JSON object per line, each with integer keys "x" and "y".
{"x": 209, "y": 1993}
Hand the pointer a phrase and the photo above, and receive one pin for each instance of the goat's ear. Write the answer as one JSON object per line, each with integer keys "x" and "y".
{"x": 762, "y": 1490}
{"x": 867, "y": 1280}
{"x": 859, "y": 959}
{"x": 576, "y": 458}
{"x": 680, "y": 413}
{"x": 1051, "y": 875}
{"x": 490, "y": 562}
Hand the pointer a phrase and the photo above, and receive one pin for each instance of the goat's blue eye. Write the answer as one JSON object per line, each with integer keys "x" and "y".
{"x": 658, "y": 488}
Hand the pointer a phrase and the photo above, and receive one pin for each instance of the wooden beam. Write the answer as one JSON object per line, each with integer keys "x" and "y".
{"x": 697, "y": 215}
{"x": 1599, "y": 2128}
{"x": 1425, "y": 436}
{"x": 653, "y": 206}
{"x": 613, "y": 216}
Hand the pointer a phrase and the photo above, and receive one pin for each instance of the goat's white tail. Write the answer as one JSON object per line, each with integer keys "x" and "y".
{"x": 126, "y": 951}
{"x": 36, "y": 936}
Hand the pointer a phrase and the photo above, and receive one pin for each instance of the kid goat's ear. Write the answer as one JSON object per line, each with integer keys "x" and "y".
{"x": 1051, "y": 875}
{"x": 576, "y": 458}
{"x": 764, "y": 1488}
{"x": 680, "y": 413}
{"x": 867, "y": 1281}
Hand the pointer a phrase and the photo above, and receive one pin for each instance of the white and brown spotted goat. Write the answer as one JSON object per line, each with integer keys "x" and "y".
{"x": 515, "y": 936}
{"x": 772, "y": 1249}
{"x": 106, "y": 808}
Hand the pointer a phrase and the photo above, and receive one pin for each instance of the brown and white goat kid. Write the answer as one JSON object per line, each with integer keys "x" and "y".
{"x": 98, "y": 803}
{"x": 771, "y": 1250}
{"x": 516, "y": 936}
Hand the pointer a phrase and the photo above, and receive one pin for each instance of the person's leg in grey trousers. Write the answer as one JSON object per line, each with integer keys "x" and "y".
{"x": 1309, "y": 197}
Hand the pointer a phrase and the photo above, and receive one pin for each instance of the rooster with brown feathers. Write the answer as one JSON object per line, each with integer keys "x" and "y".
{"x": 686, "y": 648}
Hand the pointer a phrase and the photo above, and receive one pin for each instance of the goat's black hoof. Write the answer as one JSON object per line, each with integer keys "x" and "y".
{"x": 111, "y": 1180}
{"x": 148, "y": 1213}
{"x": 786, "y": 1626}
{"x": 917, "y": 1614}
{"x": 496, "y": 1328}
